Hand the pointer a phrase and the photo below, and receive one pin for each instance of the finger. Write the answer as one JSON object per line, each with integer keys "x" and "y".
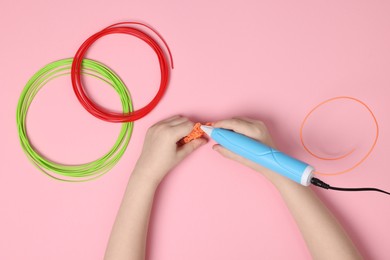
{"x": 232, "y": 156}
{"x": 232, "y": 123}
{"x": 172, "y": 121}
{"x": 250, "y": 120}
{"x": 226, "y": 153}
{"x": 188, "y": 148}
{"x": 169, "y": 119}
{"x": 177, "y": 121}
{"x": 165, "y": 120}
{"x": 240, "y": 126}
{"x": 182, "y": 129}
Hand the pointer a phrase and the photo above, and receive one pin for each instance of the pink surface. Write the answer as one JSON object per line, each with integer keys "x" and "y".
{"x": 272, "y": 60}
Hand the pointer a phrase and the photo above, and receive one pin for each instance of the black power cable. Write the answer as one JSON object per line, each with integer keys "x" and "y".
{"x": 321, "y": 184}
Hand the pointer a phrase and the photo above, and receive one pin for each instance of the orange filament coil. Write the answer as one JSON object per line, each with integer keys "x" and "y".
{"x": 345, "y": 155}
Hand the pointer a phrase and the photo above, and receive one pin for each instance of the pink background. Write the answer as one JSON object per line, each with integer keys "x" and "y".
{"x": 271, "y": 60}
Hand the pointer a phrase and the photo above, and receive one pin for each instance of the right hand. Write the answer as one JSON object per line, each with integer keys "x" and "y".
{"x": 256, "y": 130}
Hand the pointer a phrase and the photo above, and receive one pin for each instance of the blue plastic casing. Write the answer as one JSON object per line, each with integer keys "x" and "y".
{"x": 264, "y": 155}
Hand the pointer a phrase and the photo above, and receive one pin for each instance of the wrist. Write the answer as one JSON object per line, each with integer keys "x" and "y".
{"x": 148, "y": 175}
{"x": 279, "y": 181}
{"x": 283, "y": 184}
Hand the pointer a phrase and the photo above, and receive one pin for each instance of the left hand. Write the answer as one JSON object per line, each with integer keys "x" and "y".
{"x": 160, "y": 152}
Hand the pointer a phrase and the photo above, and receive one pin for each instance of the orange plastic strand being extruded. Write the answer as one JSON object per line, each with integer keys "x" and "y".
{"x": 196, "y": 133}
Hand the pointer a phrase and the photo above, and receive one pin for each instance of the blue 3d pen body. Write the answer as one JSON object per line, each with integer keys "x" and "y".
{"x": 262, "y": 154}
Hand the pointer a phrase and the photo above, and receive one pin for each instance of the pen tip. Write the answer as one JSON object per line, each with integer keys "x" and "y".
{"x": 207, "y": 129}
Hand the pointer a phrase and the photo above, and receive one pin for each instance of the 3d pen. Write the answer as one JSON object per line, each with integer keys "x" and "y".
{"x": 272, "y": 159}
{"x": 262, "y": 154}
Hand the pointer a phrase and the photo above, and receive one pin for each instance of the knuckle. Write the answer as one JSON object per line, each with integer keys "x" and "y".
{"x": 162, "y": 127}
{"x": 236, "y": 121}
{"x": 261, "y": 125}
{"x": 151, "y": 129}
{"x": 158, "y": 128}
{"x": 258, "y": 131}
{"x": 189, "y": 124}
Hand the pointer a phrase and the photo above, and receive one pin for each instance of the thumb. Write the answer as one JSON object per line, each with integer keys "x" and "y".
{"x": 232, "y": 156}
{"x": 188, "y": 148}
{"x": 226, "y": 153}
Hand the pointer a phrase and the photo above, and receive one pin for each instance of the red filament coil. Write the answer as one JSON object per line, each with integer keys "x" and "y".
{"x": 121, "y": 28}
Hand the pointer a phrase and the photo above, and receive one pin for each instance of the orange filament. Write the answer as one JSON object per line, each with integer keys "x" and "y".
{"x": 340, "y": 157}
{"x": 196, "y": 133}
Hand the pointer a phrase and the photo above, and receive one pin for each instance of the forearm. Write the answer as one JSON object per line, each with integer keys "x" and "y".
{"x": 159, "y": 155}
{"x": 324, "y": 236}
{"x": 128, "y": 235}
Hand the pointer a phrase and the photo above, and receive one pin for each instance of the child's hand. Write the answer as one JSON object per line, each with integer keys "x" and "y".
{"x": 254, "y": 129}
{"x": 160, "y": 152}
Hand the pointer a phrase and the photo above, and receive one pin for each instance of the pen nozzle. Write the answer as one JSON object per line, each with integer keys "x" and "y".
{"x": 207, "y": 129}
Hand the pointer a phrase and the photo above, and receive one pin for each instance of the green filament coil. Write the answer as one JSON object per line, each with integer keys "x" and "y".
{"x": 80, "y": 172}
